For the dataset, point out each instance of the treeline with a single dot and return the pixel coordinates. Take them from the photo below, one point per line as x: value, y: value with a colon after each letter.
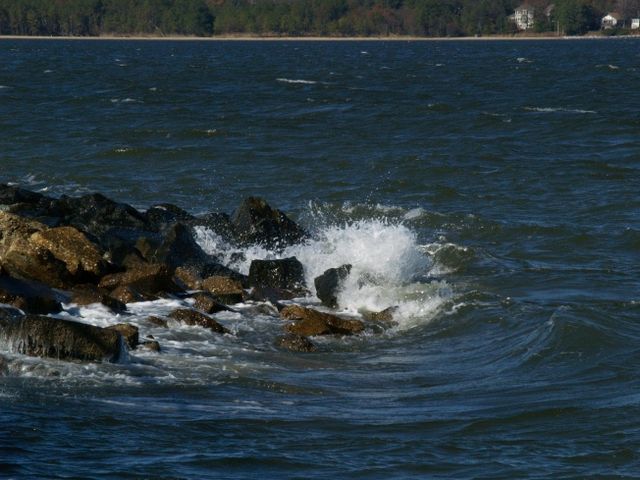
x: 295, y: 17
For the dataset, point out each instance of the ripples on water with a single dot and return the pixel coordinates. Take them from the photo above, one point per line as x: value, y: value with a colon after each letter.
x: 490, y: 188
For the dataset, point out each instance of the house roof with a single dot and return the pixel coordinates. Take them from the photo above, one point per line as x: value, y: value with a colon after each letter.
x: 616, y: 15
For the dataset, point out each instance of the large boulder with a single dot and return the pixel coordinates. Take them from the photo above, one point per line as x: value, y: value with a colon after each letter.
x: 96, y: 214
x: 62, y: 339
x: 309, y: 322
x: 328, y: 284
x: 255, y: 222
x: 193, y: 317
x: 225, y: 289
x: 83, y: 259
x: 147, y: 279
x: 179, y: 249
x: 58, y: 257
x: 28, y: 296
x: 89, y: 294
x: 163, y: 216
x: 285, y: 273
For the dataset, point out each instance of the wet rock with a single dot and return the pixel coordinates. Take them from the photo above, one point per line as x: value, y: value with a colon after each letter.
x: 285, y: 273
x: 192, y: 276
x: 179, y: 249
x: 11, y: 194
x: 207, y: 303
x: 255, y: 222
x: 225, y: 289
x: 88, y: 294
x: 157, y: 321
x: 28, y: 296
x: 295, y: 343
x: 309, y: 322
x: 82, y: 258
x: 146, y: 279
x: 161, y: 217
x: 384, y: 316
x: 151, y: 345
x: 328, y: 284
x: 63, y: 339
x: 273, y: 295
x: 97, y: 214
x: 126, y: 294
x: 219, y: 223
x: 193, y: 317
x: 129, y: 333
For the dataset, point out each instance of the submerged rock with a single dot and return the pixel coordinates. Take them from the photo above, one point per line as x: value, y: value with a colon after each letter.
x: 62, y: 339
x: 28, y: 296
x: 255, y: 222
x: 151, y: 345
x: 328, y: 284
x: 295, y: 343
x: 193, y: 317
x: 309, y: 322
x: 384, y: 316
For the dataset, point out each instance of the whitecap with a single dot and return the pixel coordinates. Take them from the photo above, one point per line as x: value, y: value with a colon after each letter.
x: 296, y: 81
x: 557, y: 109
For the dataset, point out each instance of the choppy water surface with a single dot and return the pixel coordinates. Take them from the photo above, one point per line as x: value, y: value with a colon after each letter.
x: 488, y: 189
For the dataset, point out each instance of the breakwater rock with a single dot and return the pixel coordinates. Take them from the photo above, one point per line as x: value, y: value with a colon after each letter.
x: 60, y: 254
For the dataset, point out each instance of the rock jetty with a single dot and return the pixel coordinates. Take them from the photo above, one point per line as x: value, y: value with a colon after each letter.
x: 91, y: 249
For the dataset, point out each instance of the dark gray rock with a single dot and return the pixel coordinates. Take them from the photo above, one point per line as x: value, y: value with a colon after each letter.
x: 62, y: 339
x: 328, y: 284
x: 255, y: 222
x: 28, y: 296
x: 285, y: 273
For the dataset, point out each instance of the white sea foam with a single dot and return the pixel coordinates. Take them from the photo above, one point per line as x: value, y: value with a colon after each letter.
x: 557, y: 109
x: 296, y: 80
x: 388, y: 265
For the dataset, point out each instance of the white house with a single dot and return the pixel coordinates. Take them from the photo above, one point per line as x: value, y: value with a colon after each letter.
x: 611, y: 20
x: 523, y: 16
x: 635, y: 23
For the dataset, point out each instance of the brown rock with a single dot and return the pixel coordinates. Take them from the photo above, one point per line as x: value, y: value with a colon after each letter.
x: 28, y: 296
x: 295, y: 343
x: 152, y: 345
x: 129, y: 333
x: 157, y: 321
x: 309, y: 322
x: 127, y: 294
x: 147, y: 279
x: 69, y: 245
x: 193, y: 317
x: 225, y: 289
x: 189, y: 277
x: 208, y: 303
x: 384, y: 316
x: 63, y: 339
x: 89, y: 294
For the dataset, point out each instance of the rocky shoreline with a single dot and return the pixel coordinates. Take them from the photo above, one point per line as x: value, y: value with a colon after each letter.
x: 91, y: 249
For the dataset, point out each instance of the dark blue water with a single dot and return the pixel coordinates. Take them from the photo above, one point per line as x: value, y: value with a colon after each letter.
x: 511, y: 168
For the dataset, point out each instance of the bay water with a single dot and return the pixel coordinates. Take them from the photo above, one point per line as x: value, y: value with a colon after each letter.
x: 490, y: 190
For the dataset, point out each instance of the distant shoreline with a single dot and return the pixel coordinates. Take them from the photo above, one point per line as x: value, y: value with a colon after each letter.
x: 254, y: 38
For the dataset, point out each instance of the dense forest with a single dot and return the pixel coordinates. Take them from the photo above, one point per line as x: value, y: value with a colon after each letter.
x: 298, y: 17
